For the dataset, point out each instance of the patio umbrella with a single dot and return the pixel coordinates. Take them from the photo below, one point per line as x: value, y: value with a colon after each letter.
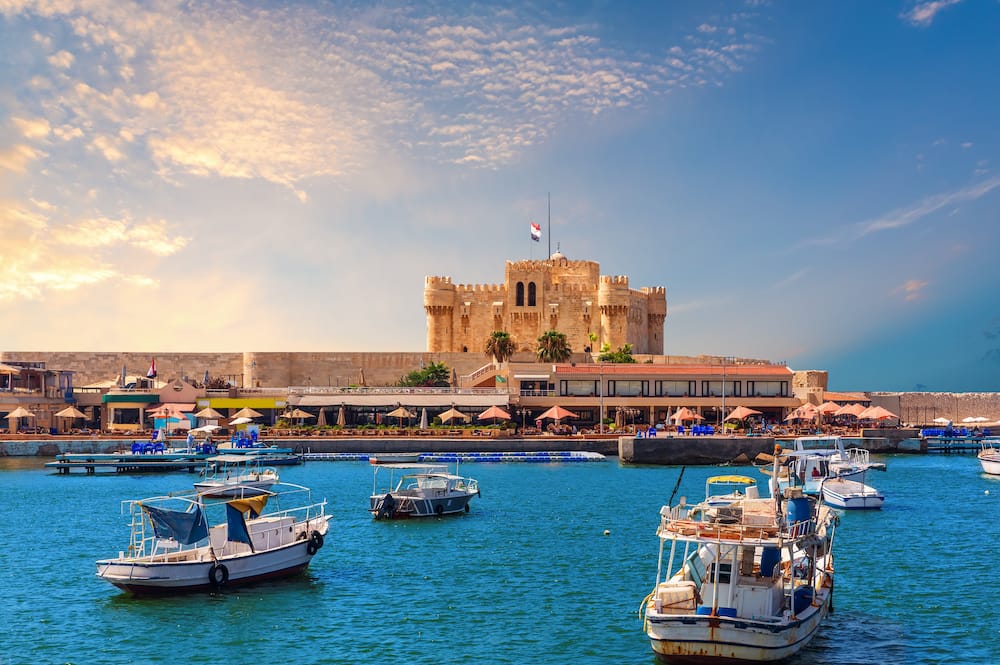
x: 246, y: 412
x: 557, y: 413
x: 685, y: 414
x: 70, y: 412
x: 9, y: 369
x: 741, y: 412
x: 942, y: 421
x: 801, y: 413
x: 423, y: 418
x: 20, y: 412
x: 400, y: 413
x: 321, y: 419
x: 876, y: 413
x: 494, y: 413
x: 849, y: 410
x: 240, y: 421
x: 828, y: 408
x: 341, y: 417
x: 974, y: 419
x: 452, y: 414
x: 209, y: 413
x: 205, y: 429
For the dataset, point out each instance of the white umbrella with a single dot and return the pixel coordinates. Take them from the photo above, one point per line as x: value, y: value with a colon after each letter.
x: 205, y: 429
x: 240, y: 421
x: 943, y: 421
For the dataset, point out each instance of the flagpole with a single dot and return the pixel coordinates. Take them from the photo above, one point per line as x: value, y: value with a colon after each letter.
x: 550, y: 223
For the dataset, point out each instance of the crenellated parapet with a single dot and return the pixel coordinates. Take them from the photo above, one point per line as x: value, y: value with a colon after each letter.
x: 438, y: 292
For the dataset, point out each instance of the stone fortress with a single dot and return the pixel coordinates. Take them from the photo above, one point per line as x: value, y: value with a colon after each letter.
x: 571, y: 297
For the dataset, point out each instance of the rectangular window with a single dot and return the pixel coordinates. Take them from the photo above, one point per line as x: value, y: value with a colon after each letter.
x: 578, y: 388
x: 627, y: 388
x: 768, y: 389
x: 673, y: 388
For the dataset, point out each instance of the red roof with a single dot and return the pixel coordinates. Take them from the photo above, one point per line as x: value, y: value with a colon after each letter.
x: 648, y: 369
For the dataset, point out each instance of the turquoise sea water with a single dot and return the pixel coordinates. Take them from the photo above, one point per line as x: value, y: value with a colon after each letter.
x: 528, y: 576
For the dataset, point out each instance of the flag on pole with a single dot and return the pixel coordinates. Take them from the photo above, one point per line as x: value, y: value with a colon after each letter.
x: 536, y: 232
x: 151, y: 374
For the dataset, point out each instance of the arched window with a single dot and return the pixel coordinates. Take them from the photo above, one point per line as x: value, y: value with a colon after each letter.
x: 520, y: 295
x: 531, y: 294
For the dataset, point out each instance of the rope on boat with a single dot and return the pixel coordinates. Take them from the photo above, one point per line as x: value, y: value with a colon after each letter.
x: 676, y: 487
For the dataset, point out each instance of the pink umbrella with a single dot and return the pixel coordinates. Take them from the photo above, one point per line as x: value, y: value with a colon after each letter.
x: 876, y: 413
x: 828, y: 408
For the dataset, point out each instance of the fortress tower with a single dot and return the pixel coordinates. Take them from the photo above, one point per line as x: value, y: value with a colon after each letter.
x: 554, y: 294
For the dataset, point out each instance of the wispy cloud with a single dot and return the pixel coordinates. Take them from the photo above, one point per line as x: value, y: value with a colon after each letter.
x: 905, y: 216
x: 911, y: 290
x: 923, y: 13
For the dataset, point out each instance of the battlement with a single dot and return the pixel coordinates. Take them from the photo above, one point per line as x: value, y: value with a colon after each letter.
x: 615, y: 280
x: 546, y: 264
x: 431, y: 281
x: 481, y: 288
x: 654, y: 290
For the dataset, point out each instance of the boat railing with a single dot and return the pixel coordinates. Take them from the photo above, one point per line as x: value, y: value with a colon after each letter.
x: 859, y: 456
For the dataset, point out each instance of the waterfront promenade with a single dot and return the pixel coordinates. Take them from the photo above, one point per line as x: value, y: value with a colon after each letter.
x: 661, y: 449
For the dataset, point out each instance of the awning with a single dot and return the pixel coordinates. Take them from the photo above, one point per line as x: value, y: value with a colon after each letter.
x: 118, y: 398
x: 532, y: 377
x: 406, y: 399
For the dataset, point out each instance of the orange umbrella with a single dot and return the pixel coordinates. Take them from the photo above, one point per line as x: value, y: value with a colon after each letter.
x: 684, y: 414
x: 495, y: 413
x: 876, y: 413
x: 828, y: 408
x: 557, y: 413
x: 741, y: 412
x: 849, y: 410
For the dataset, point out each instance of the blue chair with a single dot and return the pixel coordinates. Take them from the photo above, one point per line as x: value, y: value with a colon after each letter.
x: 680, y: 429
x: 158, y: 447
x: 136, y: 448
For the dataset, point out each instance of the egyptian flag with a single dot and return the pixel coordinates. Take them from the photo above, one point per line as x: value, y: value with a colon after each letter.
x: 536, y: 232
x: 151, y: 374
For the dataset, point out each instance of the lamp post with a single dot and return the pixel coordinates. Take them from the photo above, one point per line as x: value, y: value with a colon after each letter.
x: 600, y: 365
x: 523, y: 412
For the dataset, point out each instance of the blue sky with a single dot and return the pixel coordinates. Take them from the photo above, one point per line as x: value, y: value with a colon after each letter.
x: 813, y: 182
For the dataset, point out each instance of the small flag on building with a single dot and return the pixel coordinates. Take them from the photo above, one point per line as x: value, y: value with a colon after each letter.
x: 536, y: 232
x: 151, y: 374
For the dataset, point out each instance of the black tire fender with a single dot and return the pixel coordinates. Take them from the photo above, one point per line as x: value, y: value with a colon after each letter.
x: 218, y: 575
x: 315, y: 542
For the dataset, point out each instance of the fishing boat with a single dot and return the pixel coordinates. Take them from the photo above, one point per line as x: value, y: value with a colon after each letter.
x: 989, y: 457
x: 851, y: 494
x: 419, y: 490
x: 747, y: 582
x: 187, y: 542
x: 822, y: 467
x: 235, y: 475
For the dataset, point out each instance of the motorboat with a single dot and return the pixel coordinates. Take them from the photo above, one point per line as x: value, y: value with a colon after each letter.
x: 851, y: 494
x: 187, y: 542
x: 419, y: 490
x: 822, y: 467
x: 989, y: 457
x: 235, y: 475
x: 747, y: 582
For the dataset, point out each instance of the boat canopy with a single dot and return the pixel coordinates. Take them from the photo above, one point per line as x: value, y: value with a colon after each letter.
x: 740, y: 480
x: 186, y: 527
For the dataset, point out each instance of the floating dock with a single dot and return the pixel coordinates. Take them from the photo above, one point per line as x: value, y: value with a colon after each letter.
x: 544, y: 457
x: 127, y: 462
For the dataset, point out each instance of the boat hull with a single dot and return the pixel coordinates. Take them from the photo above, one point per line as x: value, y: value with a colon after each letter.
x: 160, y: 575
x: 990, y: 464
x: 708, y: 639
x: 848, y: 495
x: 409, y: 507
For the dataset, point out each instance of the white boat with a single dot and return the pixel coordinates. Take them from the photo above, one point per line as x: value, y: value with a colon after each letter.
x: 822, y: 467
x: 185, y: 543
x: 989, y: 457
x: 851, y: 495
x: 752, y: 583
x: 235, y: 475
x: 419, y: 490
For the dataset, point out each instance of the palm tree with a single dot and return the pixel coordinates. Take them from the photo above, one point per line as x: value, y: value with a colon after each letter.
x: 553, y: 347
x: 500, y: 346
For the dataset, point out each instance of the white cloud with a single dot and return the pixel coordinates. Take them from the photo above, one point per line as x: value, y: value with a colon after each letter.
x: 32, y: 128
x: 923, y: 13
x: 61, y: 60
x: 911, y: 289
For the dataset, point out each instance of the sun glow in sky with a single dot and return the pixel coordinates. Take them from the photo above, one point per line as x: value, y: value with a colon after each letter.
x: 812, y: 182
